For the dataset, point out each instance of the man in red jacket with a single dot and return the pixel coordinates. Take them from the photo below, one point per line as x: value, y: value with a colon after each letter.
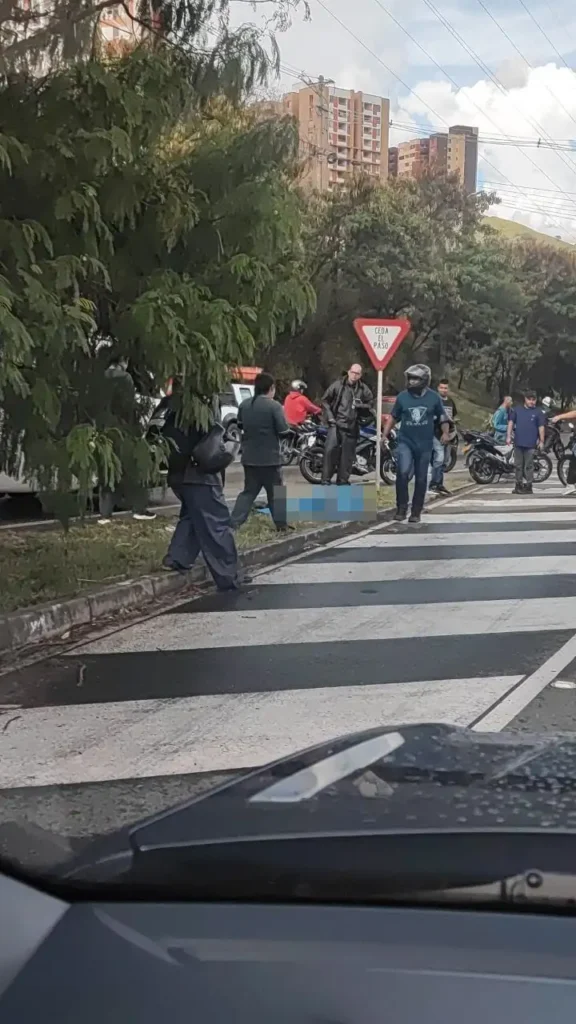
x: 297, y: 408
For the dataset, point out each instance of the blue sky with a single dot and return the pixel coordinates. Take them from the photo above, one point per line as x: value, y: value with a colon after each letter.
x: 536, y: 94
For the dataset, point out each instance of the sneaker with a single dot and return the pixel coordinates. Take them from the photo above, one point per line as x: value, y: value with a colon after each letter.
x: 414, y: 517
x: 569, y: 492
x: 435, y: 488
x: 400, y: 515
x: 103, y: 522
x: 145, y: 516
x: 443, y: 490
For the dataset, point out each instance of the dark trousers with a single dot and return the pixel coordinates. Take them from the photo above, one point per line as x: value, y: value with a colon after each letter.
x: 524, y: 466
x: 256, y: 478
x: 411, y: 461
x: 128, y: 496
x: 339, y: 452
x: 204, y: 526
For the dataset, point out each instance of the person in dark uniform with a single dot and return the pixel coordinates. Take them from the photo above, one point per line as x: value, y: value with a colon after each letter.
x: 204, y: 521
x: 344, y: 401
x: 262, y: 422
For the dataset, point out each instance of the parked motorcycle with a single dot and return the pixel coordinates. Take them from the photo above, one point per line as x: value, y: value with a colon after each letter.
x: 488, y: 461
x: 568, y: 453
x: 312, y: 458
x: 293, y: 444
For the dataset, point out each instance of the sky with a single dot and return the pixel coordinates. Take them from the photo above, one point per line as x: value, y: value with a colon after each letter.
x: 511, y: 77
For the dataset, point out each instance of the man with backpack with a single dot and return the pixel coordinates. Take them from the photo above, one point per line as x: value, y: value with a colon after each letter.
x: 204, y: 522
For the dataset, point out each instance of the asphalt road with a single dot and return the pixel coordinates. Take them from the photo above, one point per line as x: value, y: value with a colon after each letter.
x: 468, y: 618
x: 25, y: 511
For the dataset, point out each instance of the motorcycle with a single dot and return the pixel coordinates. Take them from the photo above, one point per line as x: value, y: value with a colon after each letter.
x: 293, y: 444
x: 311, y: 460
x: 488, y: 461
x: 568, y: 453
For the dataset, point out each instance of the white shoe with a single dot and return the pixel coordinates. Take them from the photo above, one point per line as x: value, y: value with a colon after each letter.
x: 104, y: 522
x: 569, y: 492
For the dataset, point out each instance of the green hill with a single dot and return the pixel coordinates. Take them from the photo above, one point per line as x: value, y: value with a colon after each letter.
x: 512, y: 229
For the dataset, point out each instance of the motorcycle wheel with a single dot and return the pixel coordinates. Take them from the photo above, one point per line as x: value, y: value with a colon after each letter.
x: 388, y: 470
x: 451, y: 459
x: 310, y: 465
x: 542, y: 467
x: 287, y: 452
x: 481, y: 471
x: 562, y: 469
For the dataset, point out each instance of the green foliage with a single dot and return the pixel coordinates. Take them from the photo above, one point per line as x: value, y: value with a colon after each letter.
x: 499, y: 310
x: 139, y: 221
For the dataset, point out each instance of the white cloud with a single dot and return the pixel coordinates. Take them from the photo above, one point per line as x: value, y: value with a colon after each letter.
x: 535, y: 102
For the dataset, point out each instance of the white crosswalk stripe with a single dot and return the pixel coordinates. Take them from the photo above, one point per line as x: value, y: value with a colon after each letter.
x: 345, y: 638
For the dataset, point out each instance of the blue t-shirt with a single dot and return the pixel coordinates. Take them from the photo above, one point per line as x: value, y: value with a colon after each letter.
x: 526, y: 423
x: 417, y: 415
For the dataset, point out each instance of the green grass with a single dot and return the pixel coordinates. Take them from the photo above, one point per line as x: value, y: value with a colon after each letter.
x: 47, y: 565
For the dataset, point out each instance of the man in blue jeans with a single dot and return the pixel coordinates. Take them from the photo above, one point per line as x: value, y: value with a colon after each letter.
x: 417, y: 409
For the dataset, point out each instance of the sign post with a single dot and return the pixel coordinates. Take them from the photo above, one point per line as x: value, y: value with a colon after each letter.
x: 381, y: 339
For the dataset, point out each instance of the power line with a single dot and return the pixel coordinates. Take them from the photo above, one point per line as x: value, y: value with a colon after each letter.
x: 413, y: 91
x: 546, y: 36
x: 484, y: 67
x: 519, y: 51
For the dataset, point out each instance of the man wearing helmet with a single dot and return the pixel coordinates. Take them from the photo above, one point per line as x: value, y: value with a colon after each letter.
x: 297, y: 407
x: 418, y: 410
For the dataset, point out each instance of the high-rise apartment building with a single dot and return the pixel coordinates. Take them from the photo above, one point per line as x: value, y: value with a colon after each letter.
x: 342, y: 133
x: 452, y: 152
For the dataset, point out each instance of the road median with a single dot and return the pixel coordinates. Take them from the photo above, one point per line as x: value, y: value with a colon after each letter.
x: 113, y: 568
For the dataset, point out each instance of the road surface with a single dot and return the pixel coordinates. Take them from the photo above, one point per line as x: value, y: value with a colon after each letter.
x: 469, y: 618
x: 25, y: 512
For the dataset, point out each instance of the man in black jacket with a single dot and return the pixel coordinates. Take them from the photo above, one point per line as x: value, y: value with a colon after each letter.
x: 343, y: 403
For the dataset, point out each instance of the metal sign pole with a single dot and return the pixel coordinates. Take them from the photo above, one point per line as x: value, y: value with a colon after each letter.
x: 378, y: 431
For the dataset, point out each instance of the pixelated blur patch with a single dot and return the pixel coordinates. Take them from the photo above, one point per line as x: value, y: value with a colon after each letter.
x: 332, y: 504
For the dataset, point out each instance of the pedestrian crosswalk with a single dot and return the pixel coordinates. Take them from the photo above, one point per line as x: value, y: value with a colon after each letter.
x: 455, y: 620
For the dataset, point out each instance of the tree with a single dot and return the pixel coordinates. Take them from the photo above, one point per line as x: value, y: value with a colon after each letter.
x: 385, y: 251
x: 139, y: 219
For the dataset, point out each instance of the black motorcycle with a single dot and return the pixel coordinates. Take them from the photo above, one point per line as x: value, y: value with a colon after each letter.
x: 293, y: 444
x: 568, y: 454
x: 312, y: 458
x: 488, y: 461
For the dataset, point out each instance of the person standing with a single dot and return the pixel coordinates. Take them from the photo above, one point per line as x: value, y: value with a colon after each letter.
x: 418, y: 410
x: 123, y: 409
x: 262, y: 422
x: 204, y: 522
x: 343, y: 403
x: 297, y: 406
x: 528, y: 425
x: 564, y: 417
x: 440, y: 450
x: 500, y: 420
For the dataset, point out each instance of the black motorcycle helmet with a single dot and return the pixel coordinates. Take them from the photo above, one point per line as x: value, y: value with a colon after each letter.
x: 418, y: 378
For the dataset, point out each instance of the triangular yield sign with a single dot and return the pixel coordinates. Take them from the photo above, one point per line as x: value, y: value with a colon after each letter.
x: 381, y: 338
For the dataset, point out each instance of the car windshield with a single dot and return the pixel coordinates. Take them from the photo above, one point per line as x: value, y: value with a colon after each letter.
x: 346, y: 609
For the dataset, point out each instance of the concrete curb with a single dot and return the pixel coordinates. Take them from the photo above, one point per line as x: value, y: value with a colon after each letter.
x: 55, y: 620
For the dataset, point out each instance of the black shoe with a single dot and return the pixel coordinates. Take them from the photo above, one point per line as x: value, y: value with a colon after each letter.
x: 400, y: 515
x: 171, y: 566
x: 435, y: 488
x: 528, y: 489
x: 414, y: 517
x: 443, y: 490
x: 518, y: 490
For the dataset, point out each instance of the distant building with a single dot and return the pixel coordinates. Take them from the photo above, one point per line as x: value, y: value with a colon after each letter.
x: 452, y: 152
x: 342, y: 133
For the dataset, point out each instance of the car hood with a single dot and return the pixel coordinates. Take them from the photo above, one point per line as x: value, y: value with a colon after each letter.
x: 401, y: 779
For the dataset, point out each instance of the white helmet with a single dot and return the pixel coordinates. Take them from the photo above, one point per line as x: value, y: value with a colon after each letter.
x: 547, y: 402
x: 298, y: 385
